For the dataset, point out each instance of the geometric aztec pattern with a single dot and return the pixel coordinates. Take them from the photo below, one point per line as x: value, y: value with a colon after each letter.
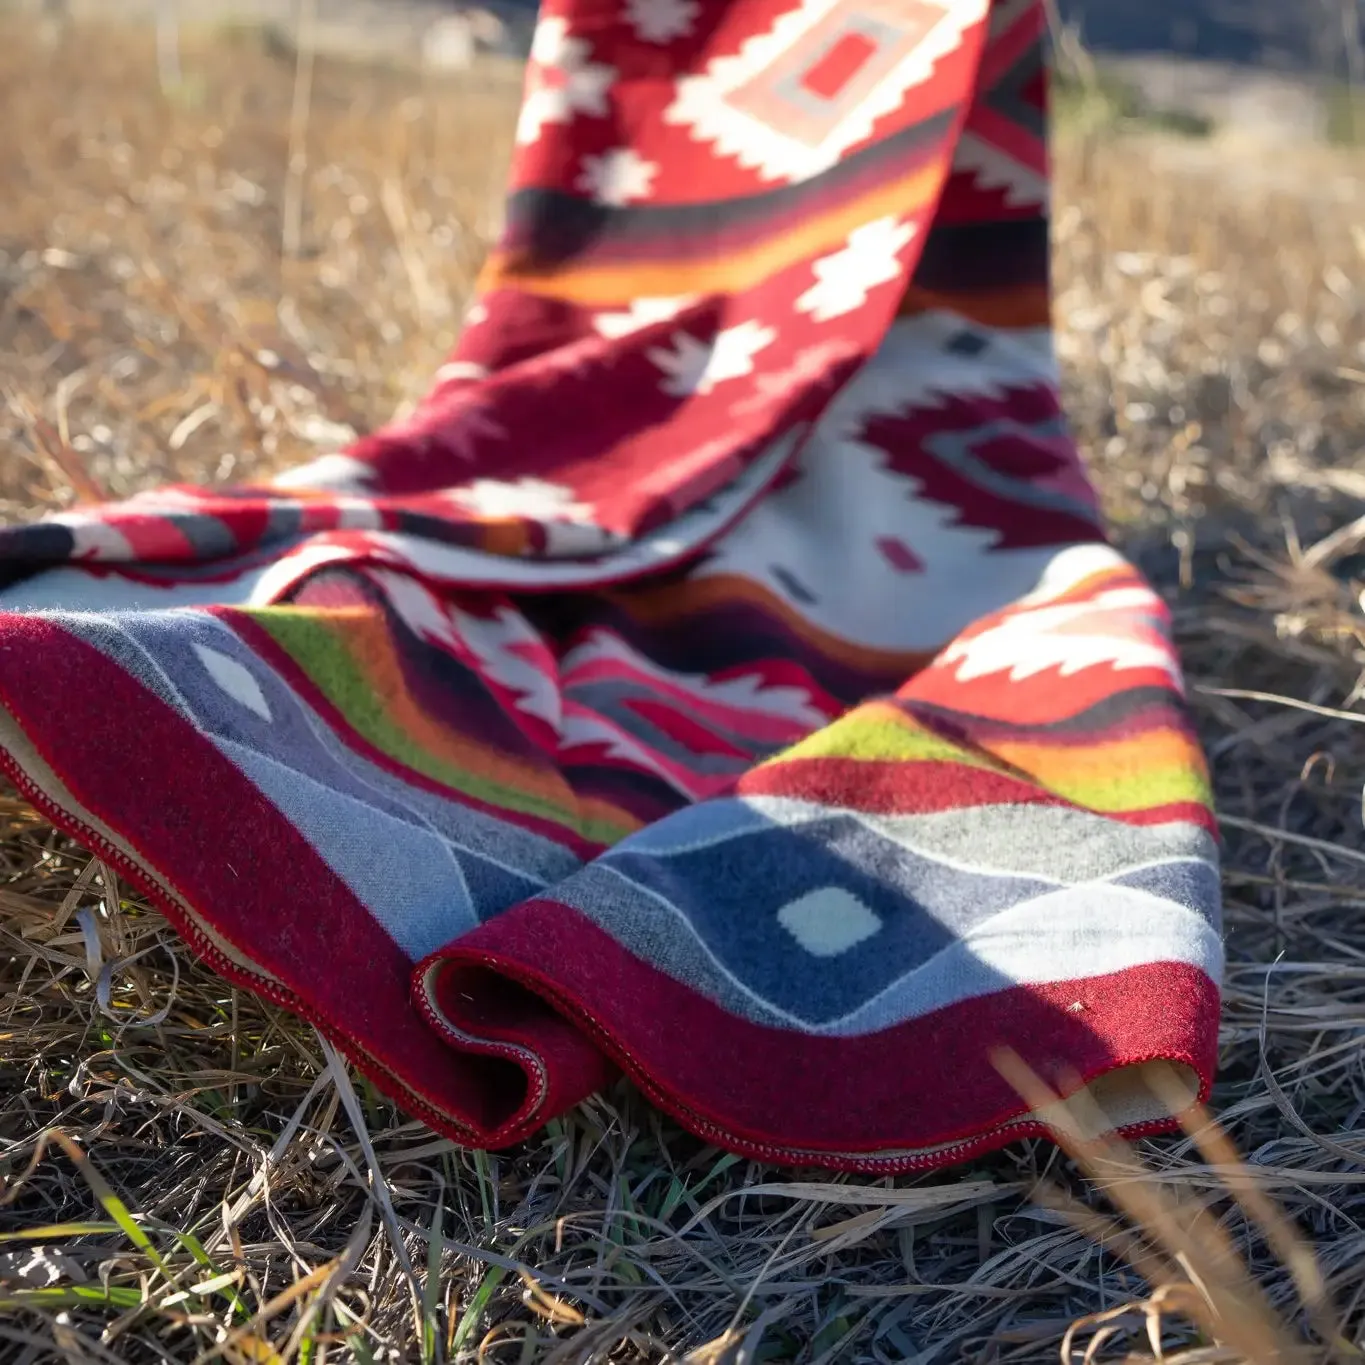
x: 781, y: 730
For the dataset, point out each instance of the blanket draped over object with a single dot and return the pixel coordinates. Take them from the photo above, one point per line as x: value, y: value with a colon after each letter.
x: 722, y: 676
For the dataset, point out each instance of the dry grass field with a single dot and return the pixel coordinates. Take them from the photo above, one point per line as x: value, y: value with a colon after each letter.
x: 209, y: 282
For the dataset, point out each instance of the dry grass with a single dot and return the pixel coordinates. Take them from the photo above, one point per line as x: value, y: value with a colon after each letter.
x: 147, y: 308
x: 237, y: 1196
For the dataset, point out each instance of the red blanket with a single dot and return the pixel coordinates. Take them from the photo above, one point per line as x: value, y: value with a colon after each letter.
x: 722, y: 675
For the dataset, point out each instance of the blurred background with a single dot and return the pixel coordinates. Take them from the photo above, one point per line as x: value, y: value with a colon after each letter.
x: 194, y: 188
x: 191, y: 185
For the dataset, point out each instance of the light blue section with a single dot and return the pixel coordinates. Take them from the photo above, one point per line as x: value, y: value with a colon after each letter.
x: 405, y: 875
x: 428, y: 868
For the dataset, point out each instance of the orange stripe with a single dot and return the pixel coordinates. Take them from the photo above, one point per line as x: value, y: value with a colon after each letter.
x: 1154, y: 751
x: 371, y: 650
x: 665, y: 604
x: 504, y: 537
x: 613, y: 285
x: 1026, y: 305
x: 1092, y: 584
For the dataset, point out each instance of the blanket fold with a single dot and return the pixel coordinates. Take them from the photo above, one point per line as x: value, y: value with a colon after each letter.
x: 721, y: 677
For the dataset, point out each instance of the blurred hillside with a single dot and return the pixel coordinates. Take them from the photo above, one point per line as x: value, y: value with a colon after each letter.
x: 1291, y: 35
x: 1295, y: 35
x: 1274, y: 69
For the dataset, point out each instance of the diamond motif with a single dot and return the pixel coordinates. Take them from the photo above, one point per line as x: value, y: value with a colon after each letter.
x: 849, y: 54
x: 899, y: 555
x: 793, y: 100
x: 234, y: 679
x: 828, y: 921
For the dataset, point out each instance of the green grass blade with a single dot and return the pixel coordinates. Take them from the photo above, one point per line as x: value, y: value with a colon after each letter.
x: 477, y: 1305
x: 72, y: 1296
x: 52, y: 1232
x: 108, y: 1200
x: 431, y: 1290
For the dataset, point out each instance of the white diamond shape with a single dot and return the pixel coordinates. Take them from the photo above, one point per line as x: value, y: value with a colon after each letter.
x: 704, y: 104
x: 828, y: 921
x: 235, y: 680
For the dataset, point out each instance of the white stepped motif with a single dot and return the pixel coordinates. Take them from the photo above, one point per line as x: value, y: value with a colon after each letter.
x: 1122, y: 628
x: 496, y: 646
x: 502, y: 643
x: 994, y: 170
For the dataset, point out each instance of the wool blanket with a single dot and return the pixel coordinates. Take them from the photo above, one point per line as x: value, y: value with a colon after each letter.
x: 722, y: 676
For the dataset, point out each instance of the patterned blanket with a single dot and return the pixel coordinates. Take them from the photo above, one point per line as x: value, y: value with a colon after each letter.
x: 722, y: 676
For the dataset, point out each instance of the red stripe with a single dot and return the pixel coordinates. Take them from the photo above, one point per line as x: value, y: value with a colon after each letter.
x: 887, y: 787
x: 1191, y: 812
x: 675, y: 725
x: 196, y: 819
x: 782, y: 1094
x: 151, y: 536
